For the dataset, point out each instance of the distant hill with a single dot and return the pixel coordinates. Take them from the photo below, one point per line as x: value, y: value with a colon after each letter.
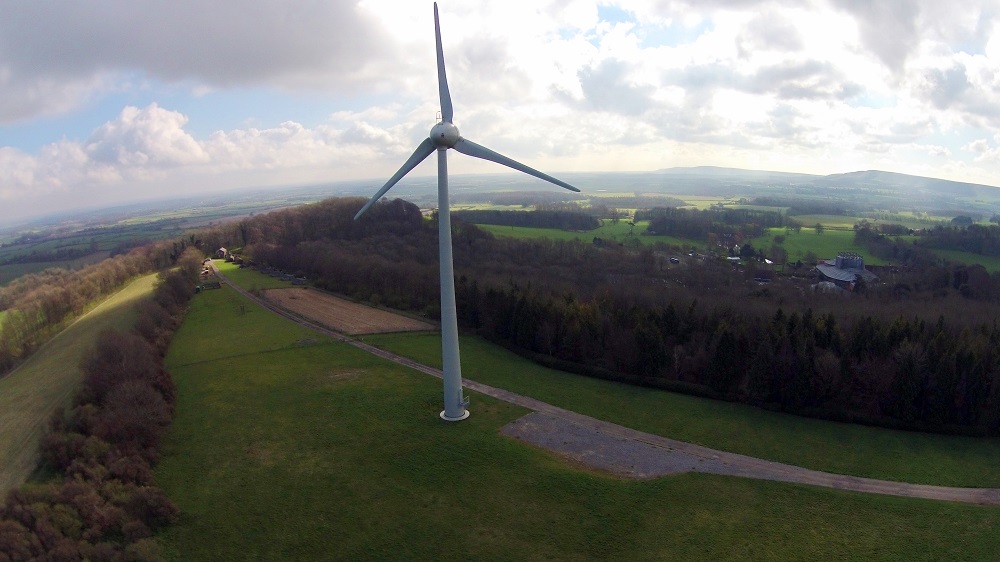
x: 733, y: 173
x: 908, y: 182
x: 854, y: 190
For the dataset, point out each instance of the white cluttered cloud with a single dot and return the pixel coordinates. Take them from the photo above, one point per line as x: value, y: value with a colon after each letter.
x: 120, y: 97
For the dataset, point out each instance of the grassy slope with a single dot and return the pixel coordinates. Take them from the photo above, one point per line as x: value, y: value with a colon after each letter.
x: 822, y: 445
x: 29, y: 395
x: 286, y: 450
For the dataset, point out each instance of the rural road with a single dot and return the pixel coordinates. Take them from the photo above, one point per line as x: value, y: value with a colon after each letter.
x: 636, y: 454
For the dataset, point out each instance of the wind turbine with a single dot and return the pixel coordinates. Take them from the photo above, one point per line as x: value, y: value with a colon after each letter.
x: 443, y: 136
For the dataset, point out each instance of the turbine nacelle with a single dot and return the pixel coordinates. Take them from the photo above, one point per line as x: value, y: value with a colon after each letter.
x: 445, y: 135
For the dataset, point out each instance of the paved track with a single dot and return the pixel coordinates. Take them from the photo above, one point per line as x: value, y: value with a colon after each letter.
x: 636, y: 454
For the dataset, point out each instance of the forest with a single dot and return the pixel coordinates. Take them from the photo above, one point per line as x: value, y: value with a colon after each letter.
x: 922, y: 358
x: 699, y: 225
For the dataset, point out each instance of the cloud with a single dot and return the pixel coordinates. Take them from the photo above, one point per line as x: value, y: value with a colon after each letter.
x: 148, y: 146
x: 788, y: 80
x: 54, y: 51
x: 151, y: 137
x: 888, y: 29
x: 606, y: 87
x: 769, y: 32
x: 984, y: 150
x: 946, y: 86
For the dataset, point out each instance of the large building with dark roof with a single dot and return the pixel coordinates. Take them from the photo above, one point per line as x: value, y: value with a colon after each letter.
x: 846, y: 270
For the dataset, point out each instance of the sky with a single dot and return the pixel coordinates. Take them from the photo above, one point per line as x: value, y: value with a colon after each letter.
x: 108, y: 102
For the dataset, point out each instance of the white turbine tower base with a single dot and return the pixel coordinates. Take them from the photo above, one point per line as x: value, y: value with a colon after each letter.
x: 443, y: 136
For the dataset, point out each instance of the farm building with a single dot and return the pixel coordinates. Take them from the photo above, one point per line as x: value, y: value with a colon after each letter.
x: 221, y: 253
x: 845, y: 271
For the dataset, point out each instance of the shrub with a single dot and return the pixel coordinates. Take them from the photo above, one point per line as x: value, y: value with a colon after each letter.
x: 133, y: 418
x: 120, y: 357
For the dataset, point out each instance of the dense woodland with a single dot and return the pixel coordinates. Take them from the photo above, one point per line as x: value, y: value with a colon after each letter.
x: 974, y: 238
x: 701, y: 225
x: 102, y: 502
x: 924, y: 358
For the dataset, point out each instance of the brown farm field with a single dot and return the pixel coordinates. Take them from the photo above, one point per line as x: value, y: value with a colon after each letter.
x: 342, y: 315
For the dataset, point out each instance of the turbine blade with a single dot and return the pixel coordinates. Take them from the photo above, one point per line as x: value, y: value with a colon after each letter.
x: 447, y: 112
x: 465, y: 146
x: 423, y: 151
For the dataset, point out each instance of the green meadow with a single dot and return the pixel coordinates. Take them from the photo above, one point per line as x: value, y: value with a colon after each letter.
x: 30, y: 393
x: 822, y: 445
x: 826, y: 245
x: 250, y: 279
x: 289, y: 446
x: 991, y: 263
x: 608, y: 231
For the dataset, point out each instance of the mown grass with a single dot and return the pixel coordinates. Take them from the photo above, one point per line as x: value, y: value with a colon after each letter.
x: 825, y: 245
x: 821, y: 445
x: 322, y: 452
x: 991, y: 263
x: 30, y: 394
x: 250, y: 279
x: 830, y: 242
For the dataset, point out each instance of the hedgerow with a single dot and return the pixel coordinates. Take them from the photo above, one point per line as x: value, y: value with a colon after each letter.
x: 104, y: 504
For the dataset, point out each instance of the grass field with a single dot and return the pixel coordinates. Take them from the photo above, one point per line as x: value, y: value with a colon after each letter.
x: 250, y: 279
x: 825, y: 245
x: 991, y: 263
x: 30, y: 394
x: 284, y: 449
x: 822, y: 445
x: 611, y: 232
x: 829, y: 221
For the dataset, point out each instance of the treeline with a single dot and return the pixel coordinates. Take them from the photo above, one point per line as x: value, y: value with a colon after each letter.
x: 61, y: 254
x: 881, y: 244
x: 105, y: 504
x: 905, y: 373
x: 971, y: 281
x: 36, y: 305
x: 696, y: 224
x: 565, y: 220
x: 974, y: 238
x: 927, y: 361
x: 805, y: 207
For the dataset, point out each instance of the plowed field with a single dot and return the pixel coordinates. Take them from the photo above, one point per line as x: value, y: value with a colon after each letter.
x: 342, y: 315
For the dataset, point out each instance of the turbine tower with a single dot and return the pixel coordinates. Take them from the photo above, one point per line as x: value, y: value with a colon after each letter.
x: 443, y: 136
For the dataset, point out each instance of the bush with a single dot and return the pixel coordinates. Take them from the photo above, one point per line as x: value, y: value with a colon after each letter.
x: 119, y: 357
x: 133, y: 418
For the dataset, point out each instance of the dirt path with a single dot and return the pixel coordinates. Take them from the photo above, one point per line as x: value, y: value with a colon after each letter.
x: 635, y: 454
